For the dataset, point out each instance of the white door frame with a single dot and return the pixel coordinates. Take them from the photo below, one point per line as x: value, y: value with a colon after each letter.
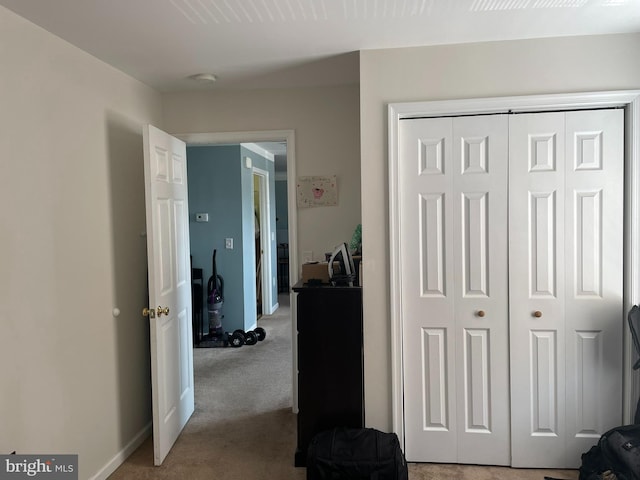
x: 265, y: 240
x: 630, y: 100
x: 226, y: 138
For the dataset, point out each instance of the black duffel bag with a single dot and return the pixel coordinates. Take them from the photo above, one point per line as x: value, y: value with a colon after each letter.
x: 616, y: 456
x: 356, y: 454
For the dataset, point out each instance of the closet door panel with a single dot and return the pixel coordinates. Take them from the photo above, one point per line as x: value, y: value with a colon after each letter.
x: 568, y: 239
x: 481, y: 288
x: 536, y: 266
x: 594, y: 248
x: 453, y: 241
x: 426, y: 198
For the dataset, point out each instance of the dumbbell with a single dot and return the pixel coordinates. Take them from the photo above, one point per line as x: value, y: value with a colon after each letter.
x: 254, y: 336
x: 261, y: 333
x: 237, y: 338
x: 251, y: 338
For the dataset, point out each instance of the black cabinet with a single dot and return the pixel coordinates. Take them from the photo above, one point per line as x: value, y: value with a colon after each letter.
x: 330, y: 362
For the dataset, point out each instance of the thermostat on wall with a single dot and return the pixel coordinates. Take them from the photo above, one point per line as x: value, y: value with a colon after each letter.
x: 202, y: 217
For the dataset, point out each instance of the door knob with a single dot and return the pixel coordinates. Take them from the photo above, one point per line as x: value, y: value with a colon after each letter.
x: 161, y: 310
x: 537, y: 314
x: 148, y: 312
x: 480, y: 313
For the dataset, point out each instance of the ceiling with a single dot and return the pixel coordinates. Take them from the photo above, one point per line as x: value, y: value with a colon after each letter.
x: 251, y: 44
x: 295, y: 43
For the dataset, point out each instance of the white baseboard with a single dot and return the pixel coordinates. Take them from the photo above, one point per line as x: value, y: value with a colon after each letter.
x: 273, y: 309
x: 119, y: 458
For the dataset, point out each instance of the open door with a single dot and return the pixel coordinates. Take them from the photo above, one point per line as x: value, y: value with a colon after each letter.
x: 169, y: 312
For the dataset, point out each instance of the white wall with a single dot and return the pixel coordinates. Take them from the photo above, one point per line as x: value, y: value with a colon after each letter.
x: 326, y: 127
x: 74, y: 378
x: 570, y: 64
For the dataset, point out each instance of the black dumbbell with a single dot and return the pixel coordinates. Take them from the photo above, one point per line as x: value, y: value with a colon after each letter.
x: 237, y: 338
x: 261, y: 333
x: 251, y: 338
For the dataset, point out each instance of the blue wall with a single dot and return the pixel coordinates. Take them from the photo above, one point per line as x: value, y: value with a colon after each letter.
x: 282, y: 212
x: 220, y: 185
x: 215, y: 187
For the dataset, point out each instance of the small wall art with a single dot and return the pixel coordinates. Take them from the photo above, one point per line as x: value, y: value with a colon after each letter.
x: 318, y: 191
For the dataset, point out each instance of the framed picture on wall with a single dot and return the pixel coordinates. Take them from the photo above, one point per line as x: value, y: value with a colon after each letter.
x: 317, y: 191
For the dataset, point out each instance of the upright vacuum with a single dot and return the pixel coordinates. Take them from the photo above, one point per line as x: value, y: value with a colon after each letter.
x: 217, y: 337
x: 215, y: 299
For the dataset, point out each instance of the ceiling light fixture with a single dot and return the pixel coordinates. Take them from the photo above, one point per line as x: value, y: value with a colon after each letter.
x: 204, y: 78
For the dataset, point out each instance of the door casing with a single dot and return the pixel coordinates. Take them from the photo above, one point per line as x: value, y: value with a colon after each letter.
x: 628, y: 99
x: 265, y: 241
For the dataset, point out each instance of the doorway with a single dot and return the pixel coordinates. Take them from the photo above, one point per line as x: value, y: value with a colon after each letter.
x: 286, y: 138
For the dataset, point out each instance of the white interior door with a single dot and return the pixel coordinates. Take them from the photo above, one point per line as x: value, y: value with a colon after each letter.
x: 566, y: 283
x: 453, y: 234
x: 165, y: 171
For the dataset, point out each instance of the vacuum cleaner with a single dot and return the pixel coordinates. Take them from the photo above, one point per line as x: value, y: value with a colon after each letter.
x: 217, y: 337
x: 215, y: 299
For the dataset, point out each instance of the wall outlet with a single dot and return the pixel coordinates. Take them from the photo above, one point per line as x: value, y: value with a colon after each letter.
x: 228, y: 243
x: 307, y: 256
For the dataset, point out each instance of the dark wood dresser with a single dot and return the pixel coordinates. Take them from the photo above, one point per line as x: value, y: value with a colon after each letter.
x: 330, y: 361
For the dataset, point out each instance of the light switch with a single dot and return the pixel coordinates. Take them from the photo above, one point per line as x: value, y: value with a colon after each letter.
x: 202, y: 217
x: 228, y: 243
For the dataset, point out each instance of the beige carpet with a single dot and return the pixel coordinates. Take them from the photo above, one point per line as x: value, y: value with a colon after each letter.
x: 243, y: 427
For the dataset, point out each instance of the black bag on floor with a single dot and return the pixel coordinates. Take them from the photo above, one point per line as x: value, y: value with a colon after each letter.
x: 615, y: 457
x: 356, y: 454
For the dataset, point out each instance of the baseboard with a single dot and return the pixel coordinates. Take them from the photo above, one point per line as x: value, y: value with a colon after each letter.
x: 252, y: 327
x: 119, y: 458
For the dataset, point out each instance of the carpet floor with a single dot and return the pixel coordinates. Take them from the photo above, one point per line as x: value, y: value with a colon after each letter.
x: 243, y: 427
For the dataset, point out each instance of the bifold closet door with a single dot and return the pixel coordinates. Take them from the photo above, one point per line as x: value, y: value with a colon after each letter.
x: 566, y: 283
x: 453, y: 222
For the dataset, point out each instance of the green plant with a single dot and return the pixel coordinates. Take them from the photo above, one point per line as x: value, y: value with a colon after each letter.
x: 356, y: 240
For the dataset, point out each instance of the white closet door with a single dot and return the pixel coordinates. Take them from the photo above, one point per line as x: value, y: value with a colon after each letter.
x: 427, y: 289
x: 565, y: 267
x: 453, y: 174
x: 594, y: 261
